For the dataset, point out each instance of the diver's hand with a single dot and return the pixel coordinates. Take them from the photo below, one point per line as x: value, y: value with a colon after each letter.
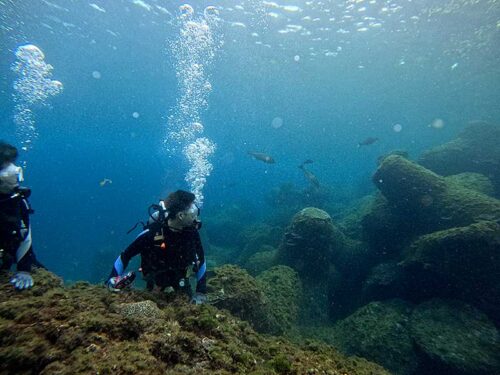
x: 118, y: 283
x: 22, y: 280
x: 198, y: 299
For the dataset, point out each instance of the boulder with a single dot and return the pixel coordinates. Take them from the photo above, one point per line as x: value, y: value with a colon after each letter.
x: 460, y: 262
x: 380, y: 332
x: 427, y: 200
x: 476, y: 149
x: 455, y: 338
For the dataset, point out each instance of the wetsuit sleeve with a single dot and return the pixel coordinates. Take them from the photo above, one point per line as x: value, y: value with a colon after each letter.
x: 27, y: 261
x: 201, y: 274
x: 131, y: 251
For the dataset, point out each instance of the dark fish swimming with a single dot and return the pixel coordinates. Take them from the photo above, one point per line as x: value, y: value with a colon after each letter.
x: 262, y: 157
x: 313, y: 180
x: 368, y: 141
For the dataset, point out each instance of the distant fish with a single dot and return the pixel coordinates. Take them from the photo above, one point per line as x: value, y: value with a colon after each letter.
x: 313, y: 180
x: 105, y: 182
x: 368, y: 141
x: 97, y: 7
x: 307, y: 161
x: 262, y: 157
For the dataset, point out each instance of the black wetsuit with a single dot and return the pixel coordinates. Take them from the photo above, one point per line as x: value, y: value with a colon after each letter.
x: 166, y: 256
x: 14, y: 225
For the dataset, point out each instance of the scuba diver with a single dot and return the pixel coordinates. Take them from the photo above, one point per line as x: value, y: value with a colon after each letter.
x: 170, y: 248
x: 15, y: 229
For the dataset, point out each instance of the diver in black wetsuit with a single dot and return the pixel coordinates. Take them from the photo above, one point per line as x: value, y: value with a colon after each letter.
x: 170, y: 246
x: 15, y: 230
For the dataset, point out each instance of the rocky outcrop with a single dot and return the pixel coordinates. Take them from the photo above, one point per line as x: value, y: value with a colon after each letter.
x: 455, y: 338
x: 476, y: 149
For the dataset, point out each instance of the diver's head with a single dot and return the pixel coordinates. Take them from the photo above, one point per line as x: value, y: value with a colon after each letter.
x: 182, y: 211
x: 8, y: 154
x: 10, y: 174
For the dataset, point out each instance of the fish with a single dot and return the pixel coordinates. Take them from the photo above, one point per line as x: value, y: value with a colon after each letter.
x: 307, y: 161
x: 105, y: 182
x: 368, y: 141
x: 313, y: 180
x: 262, y: 157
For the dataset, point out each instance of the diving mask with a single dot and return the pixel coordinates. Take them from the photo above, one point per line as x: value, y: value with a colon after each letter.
x: 10, y: 177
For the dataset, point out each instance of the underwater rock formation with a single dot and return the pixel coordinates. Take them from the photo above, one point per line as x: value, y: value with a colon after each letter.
x: 309, y: 244
x: 283, y: 289
x: 238, y: 292
x: 476, y: 149
x: 455, y: 338
x: 254, y: 237
x: 52, y: 329
x: 473, y: 181
x: 261, y: 260
x: 380, y: 331
x: 460, y: 263
x: 427, y: 200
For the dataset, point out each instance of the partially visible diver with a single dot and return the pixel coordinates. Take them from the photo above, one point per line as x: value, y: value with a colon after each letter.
x: 171, y: 251
x: 15, y: 229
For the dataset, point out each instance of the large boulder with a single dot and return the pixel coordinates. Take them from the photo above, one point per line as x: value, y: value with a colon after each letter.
x: 233, y: 289
x: 283, y: 288
x: 309, y: 244
x: 476, y: 149
x: 455, y: 338
x: 473, y: 181
x: 380, y: 332
x: 427, y: 200
x: 460, y: 262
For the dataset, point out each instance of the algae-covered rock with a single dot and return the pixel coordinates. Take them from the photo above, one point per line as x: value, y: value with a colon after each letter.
x: 427, y: 200
x: 380, y: 332
x: 283, y: 288
x: 76, y: 330
x: 261, y: 260
x: 473, y: 181
x: 386, y: 280
x: 309, y: 243
x: 476, y: 149
x: 456, y: 338
x: 235, y: 290
x: 460, y: 262
x: 254, y: 237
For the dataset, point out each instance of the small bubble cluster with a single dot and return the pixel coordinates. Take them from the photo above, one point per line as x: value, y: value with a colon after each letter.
x: 198, y: 153
x: 32, y: 87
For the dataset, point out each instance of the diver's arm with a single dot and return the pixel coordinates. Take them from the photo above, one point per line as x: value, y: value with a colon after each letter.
x: 131, y: 251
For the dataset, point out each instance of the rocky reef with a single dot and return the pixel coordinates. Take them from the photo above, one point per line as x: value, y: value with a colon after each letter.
x: 85, y: 329
x: 476, y: 149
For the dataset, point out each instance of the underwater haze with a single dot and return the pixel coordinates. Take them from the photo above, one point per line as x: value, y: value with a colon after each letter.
x: 345, y: 155
x: 293, y: 79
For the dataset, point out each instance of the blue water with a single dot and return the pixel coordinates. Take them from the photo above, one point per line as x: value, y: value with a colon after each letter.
x: 414, y: 68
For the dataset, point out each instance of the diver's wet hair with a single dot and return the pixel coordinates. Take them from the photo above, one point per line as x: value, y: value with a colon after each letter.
x: 178, y: 201
x: 8, y: 153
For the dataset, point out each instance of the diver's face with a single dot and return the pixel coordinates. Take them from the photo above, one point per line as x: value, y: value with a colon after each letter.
x: 189, y: 216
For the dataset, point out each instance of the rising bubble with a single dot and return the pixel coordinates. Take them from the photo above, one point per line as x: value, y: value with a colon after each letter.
x: 397, y: 128
x: 277, y: 122
x: 32, y: 87
x: 96, y: 74
x: 135, y: 114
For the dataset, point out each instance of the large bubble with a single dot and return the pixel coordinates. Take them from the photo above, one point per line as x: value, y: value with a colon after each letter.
x: 194, y: 50
x: 32, y: 87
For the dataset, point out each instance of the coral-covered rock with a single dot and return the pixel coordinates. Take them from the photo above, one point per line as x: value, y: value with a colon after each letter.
x: 283, y: 288
x: 460, y: 262
x: 380, y: 331
x: 309, y: 244
x: 254, y: 237
x: 235, y: 290
x: 60, y: 330
x: 261, y: 260
x: 473, y: 181
x: 455, y: 338
x: 476, y: 149
x: 427, y: 200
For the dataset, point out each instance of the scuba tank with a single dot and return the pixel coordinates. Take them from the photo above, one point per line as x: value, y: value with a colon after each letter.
x: 157, y: 213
